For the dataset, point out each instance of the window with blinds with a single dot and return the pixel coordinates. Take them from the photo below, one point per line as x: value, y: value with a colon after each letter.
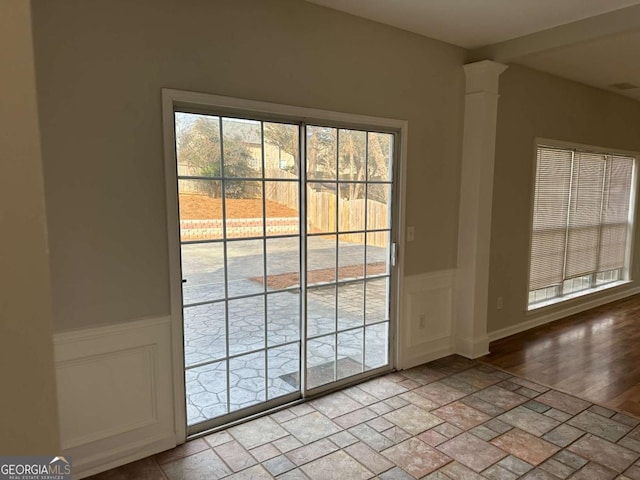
x: 581, y: 222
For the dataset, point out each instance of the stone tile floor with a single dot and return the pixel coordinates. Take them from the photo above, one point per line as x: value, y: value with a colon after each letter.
x: 452, y: 419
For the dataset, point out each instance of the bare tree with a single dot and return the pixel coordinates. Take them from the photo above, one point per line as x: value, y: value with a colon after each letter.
x: 198, y: 149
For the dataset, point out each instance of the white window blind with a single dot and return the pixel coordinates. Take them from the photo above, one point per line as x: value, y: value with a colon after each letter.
x: 580, y: 217
x: 615, y: 213
x: 585, y: 201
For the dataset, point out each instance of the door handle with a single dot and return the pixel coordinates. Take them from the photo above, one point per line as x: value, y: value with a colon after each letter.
x: 394, y: 254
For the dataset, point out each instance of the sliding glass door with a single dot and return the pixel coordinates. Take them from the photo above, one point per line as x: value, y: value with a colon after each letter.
x: 348, y: 219
x: 285, y: 239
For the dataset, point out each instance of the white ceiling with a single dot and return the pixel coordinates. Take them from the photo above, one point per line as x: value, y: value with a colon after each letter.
x: 475, y: 23
x: 593, y: 62
x: 596, y: 42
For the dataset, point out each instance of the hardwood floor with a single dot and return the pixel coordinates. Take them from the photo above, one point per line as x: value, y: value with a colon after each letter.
x: 594, y: 355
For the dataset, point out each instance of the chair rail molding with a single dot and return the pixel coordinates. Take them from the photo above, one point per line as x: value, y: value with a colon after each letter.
x: 476, y: 197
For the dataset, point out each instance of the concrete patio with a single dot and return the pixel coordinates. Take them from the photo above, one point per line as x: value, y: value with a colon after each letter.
x: 252, y: 377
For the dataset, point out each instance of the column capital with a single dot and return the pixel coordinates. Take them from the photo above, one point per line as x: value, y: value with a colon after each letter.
x: 483, y: 76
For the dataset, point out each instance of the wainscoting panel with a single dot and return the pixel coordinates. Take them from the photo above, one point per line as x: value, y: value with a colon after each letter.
x: 115, y: 393
x: 426, y: 326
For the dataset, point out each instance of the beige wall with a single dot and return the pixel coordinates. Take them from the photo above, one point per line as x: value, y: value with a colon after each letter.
x: 100, y: 67
x: 534, y: 104
x: 28, y: 407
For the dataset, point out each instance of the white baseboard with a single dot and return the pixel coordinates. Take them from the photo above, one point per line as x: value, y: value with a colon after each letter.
x: 472, y: 348
x: 115, y: 393
x: 551, y: 316
x: 431, y: 351
x: 426, y: 323
x: 95, y: 461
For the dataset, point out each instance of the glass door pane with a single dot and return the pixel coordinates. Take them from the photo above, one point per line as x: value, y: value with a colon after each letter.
x: 238, y: 191
x: 348, y: 218
x: 242, y: 200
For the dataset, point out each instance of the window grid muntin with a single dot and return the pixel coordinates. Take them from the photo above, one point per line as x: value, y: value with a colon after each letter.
x: 225, y: 240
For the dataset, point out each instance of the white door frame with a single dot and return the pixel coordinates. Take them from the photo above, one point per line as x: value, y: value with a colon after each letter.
x: 177, y: 98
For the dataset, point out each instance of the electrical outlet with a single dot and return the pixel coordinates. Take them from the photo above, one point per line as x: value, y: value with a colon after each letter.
x: 423, y: 320
x: 499, y: 303
x: 411, y: 234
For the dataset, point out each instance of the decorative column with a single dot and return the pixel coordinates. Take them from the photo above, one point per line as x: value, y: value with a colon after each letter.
x: 476, y: 196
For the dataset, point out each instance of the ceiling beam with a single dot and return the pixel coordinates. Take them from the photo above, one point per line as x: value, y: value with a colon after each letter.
x: 592, y: 28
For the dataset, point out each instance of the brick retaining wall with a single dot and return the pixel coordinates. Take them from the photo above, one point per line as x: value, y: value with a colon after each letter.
x: 236, y: 227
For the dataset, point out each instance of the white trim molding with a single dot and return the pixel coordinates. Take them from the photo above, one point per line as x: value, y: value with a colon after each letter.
x: 172, y: 99
x: 426, y: 326
x: 472, y: 347
x: 115, y: 393
x: 476, y: 197
x: 551, y: 314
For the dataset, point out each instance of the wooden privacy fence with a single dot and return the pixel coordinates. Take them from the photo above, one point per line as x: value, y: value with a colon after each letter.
x: 325, y: 211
